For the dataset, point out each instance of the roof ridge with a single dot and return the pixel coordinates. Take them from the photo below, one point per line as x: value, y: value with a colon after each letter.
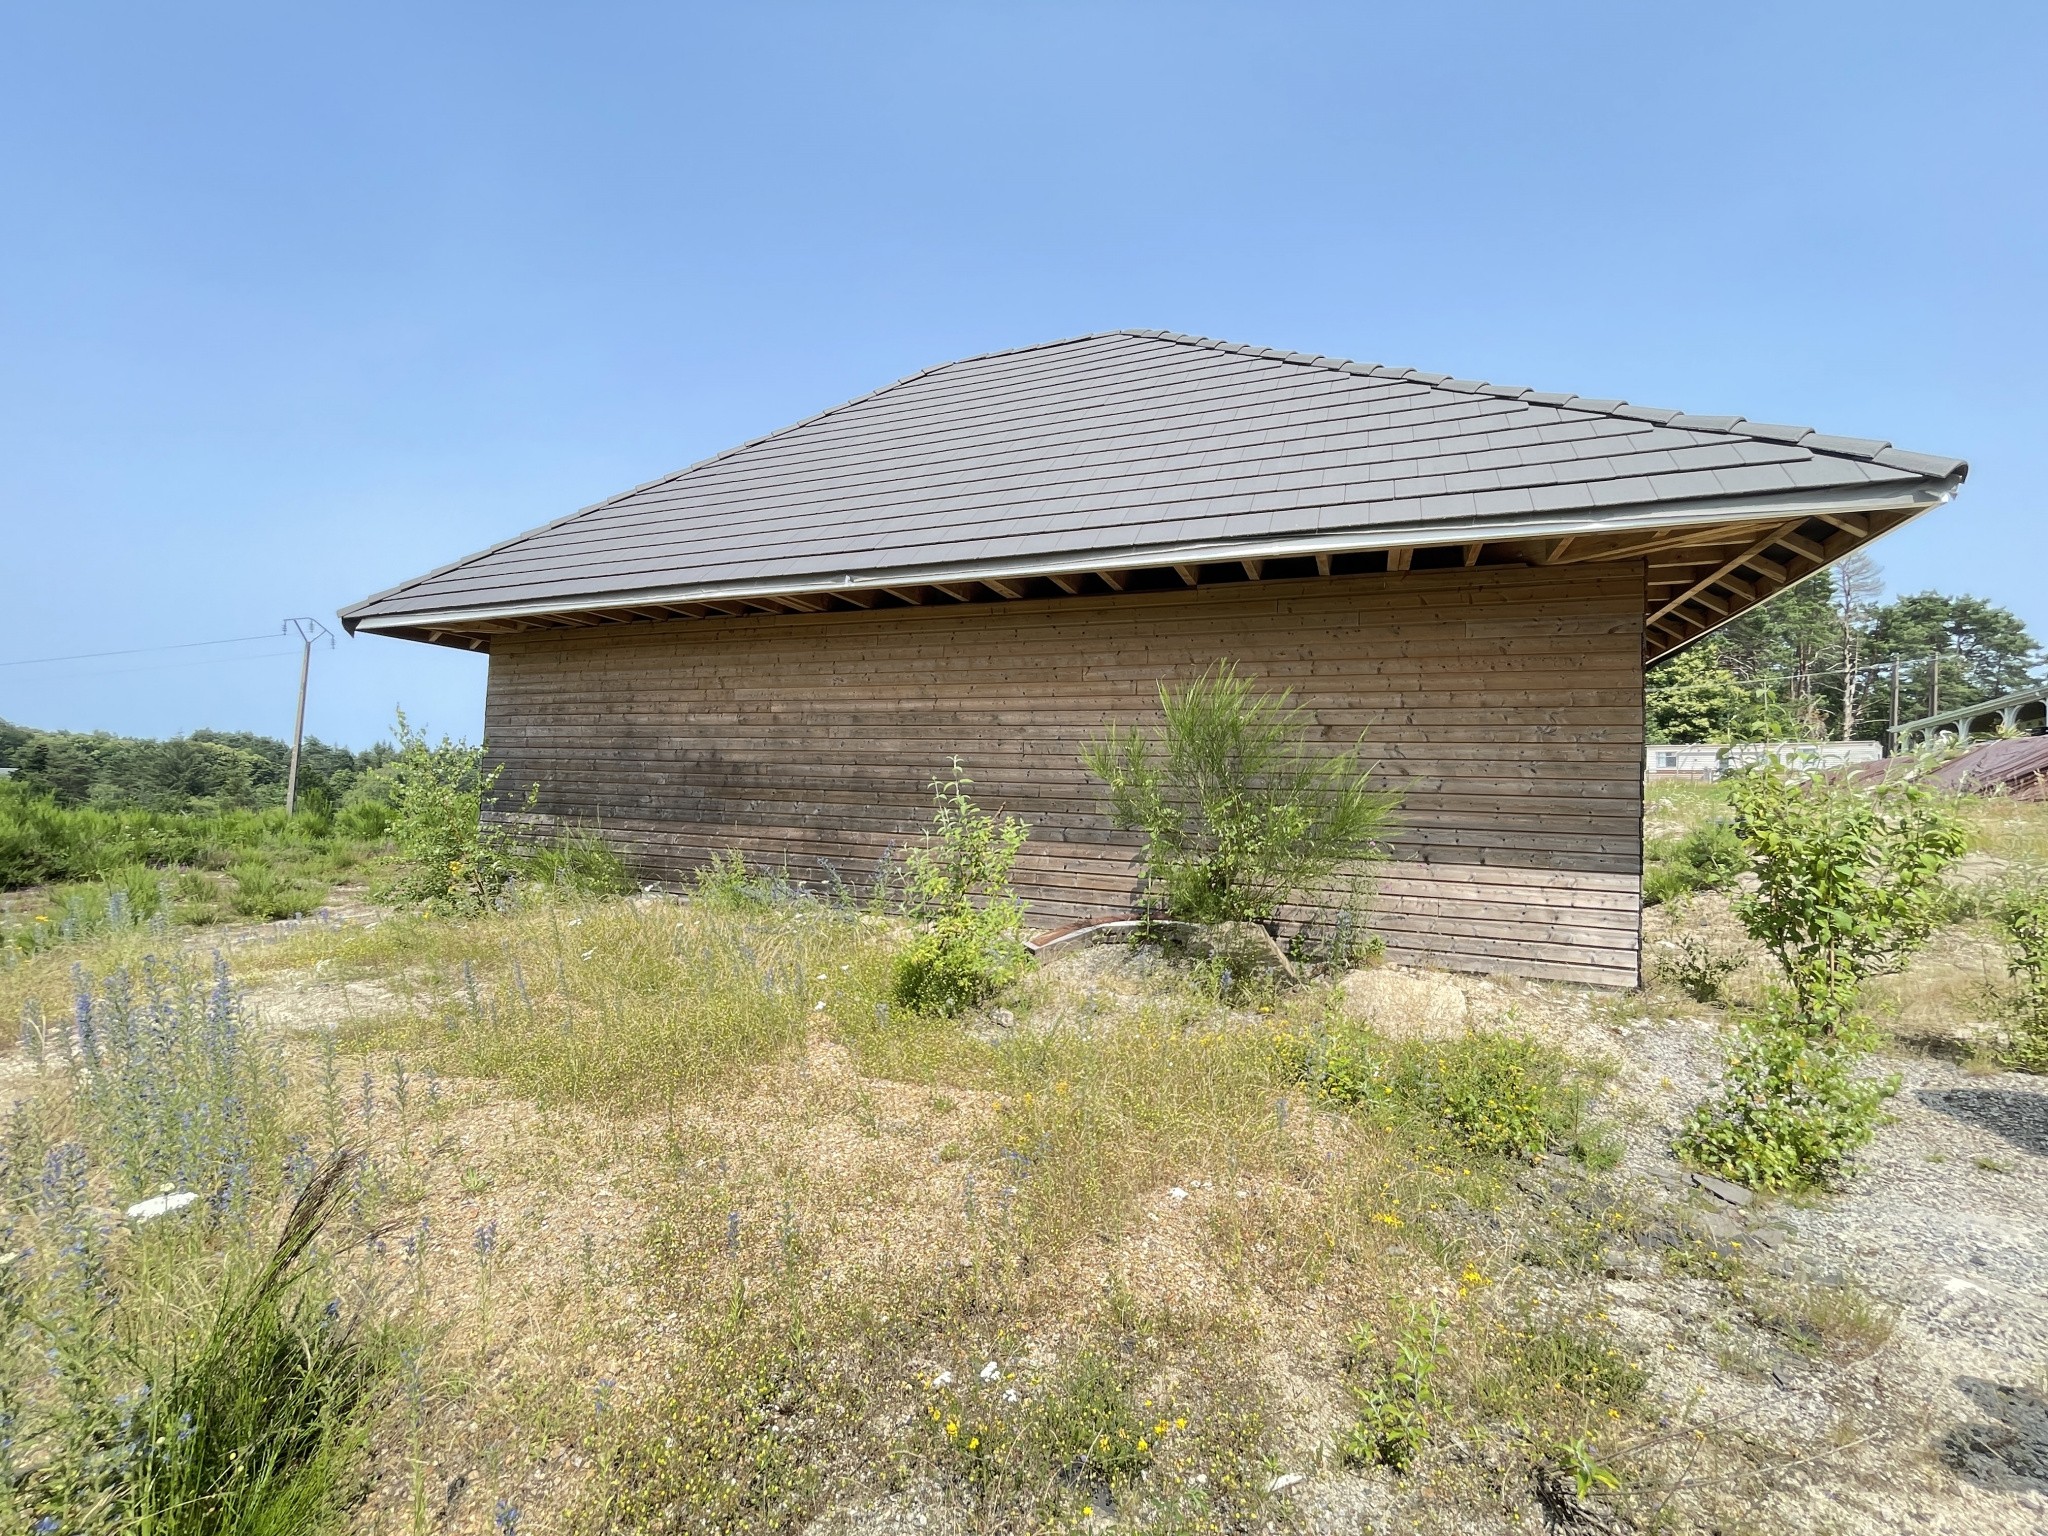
x: 1864, y: 449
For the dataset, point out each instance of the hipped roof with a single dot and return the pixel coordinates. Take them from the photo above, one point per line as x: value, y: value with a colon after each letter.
x: 1148, y: 450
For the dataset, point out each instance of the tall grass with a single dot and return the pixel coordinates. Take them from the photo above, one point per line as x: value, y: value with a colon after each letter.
x: 175, y: 1372
x: 622, y: 1004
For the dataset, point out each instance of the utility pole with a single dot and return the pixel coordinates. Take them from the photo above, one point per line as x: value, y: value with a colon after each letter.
x: 1892, y: 741
x: 1934, y: 682
x: 308, y: 630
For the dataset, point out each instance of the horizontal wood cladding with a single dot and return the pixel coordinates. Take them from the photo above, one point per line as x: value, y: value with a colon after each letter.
x: 1505, y: 704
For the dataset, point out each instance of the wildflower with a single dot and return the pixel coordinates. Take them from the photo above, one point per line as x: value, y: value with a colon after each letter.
x: 507, y: 1517
x: 487, y: 1239
x: 953, y: 1428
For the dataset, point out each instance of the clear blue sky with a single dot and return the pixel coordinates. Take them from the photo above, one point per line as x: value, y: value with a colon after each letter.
x: 294, y: 306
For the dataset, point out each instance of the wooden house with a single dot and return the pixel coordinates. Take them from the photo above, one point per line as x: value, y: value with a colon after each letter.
x: 776, y: 649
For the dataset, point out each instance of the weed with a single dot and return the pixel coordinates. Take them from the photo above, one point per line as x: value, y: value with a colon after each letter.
x: 957, y: 884
x: 1698, y: 968
x: 1495, y: 1093
x: 1708, y: 858
x: 2023, y: 915
x: 1397, y: 1397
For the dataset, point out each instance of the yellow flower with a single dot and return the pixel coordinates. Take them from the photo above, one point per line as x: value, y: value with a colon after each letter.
x: 974, y: 1442
x: 1088, y: 1510
x: 1180, y: 1423
x: 953, y: 1427
x: 1142, y: 1444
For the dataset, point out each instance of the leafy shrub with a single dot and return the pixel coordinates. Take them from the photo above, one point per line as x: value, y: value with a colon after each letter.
x: 450, y: 858
x: 1708, y: 858
x: 1397, y: 1398
x: 1788, y: 1111
x: 957, y: 885
x: 1494, y: 1093
x: 1242, y: 811
x: 1849, y: 884
x: 1849, y: 879
x: 2024, y: 916
x: 364, y: 821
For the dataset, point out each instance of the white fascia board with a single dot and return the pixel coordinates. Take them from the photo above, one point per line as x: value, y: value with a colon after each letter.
x: 1639, y: 518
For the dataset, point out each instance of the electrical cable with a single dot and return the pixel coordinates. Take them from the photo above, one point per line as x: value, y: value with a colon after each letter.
x: 142, y: 650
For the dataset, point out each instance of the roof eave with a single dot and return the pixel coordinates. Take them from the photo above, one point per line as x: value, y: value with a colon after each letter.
x: 1909, y: 497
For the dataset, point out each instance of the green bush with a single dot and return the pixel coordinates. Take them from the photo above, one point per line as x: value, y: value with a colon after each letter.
x: 957, y: 886
x: 2023, y: 914
x: 1849, y: 879
x: 261, y: 891
x: 1849, y: 885
x: 363, y: 821
x: 1494, y: 1093
x: 1788, y: 1110
x: 726, y: 884
x: 450, y: 859
x: 1243, y: 811
x: 1708, y: 858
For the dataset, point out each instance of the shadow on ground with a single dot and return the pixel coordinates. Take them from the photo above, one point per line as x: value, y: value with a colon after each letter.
x: 2020, y: 1117
x: 2009, y: 1451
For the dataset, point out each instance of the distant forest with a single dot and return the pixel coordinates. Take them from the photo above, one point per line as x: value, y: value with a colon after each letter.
x: 1816, y: 661
x: 207, y: 770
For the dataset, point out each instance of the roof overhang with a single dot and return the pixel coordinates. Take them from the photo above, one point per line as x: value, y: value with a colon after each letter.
x: 1714, y: 559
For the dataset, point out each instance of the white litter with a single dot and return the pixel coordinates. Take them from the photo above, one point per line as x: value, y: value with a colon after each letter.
x: 990, y: 1373
x: 161, y: 1205
x: 943, y: 1379
x: 1179, y: 1193
x: 1285, y: 1481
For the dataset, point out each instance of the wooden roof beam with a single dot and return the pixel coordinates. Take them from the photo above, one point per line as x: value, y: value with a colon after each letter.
x: 959, y: 591
x: 1323, y: 564
x: 858, y: 599
x: 1252, y: 568
x: 1071, y: 585
x: 1010, y: 589
x: 1399, y: 559
x: 1116, y: 581
x: 1699, y: 587
x: 1190, y: 574
x: 1472, y: 554
x: 911, y: 595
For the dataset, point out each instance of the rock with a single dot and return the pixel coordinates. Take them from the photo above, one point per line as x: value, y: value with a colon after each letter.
x: 1721, y: 1189
x: 1770, y: 1237
x: 160, y: 1205
x: 1415, y: 1007
x: 1002, y: 1018
x: 1284, y: 1481
x: 1720, y: 1228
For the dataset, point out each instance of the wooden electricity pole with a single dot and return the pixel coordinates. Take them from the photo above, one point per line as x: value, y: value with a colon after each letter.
x: 1892, y: 741
x: 308, y: 630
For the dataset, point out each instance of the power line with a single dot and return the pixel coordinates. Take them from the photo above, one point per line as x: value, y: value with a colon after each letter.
x: 141, y: 650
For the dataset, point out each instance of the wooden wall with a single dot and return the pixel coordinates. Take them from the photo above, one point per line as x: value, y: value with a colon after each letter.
x: 1506, y: 704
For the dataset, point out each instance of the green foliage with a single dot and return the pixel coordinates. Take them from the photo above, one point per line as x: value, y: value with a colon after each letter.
x: 1849, y: 879
x: 1243, y: 812
x: 262, y: 892
x: 451, y: 859
x: 957, y: 886
x: 204, y: 772
x: 579, y: 863
x: 2023, y: 915
x: 726, y: 884
x: 1788, y: 1111
x: 1398, y: 1400
x: 1697, y: 697
x: 1697, y: 968
x: 1708, y: 858
x: 1494, y: 1093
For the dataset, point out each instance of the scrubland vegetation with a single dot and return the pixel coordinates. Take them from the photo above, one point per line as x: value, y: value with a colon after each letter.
x: 533, y: 1202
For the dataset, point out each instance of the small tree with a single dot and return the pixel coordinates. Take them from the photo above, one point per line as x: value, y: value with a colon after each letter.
x: 1848, y: 885
x: 2023, y: 914
x: 1242, y: 811
x: 956, y: 884
x: 1849, y: 879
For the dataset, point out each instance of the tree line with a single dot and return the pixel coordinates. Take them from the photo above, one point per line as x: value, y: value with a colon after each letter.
x: 1817, y: 662
x: 204, y: 771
